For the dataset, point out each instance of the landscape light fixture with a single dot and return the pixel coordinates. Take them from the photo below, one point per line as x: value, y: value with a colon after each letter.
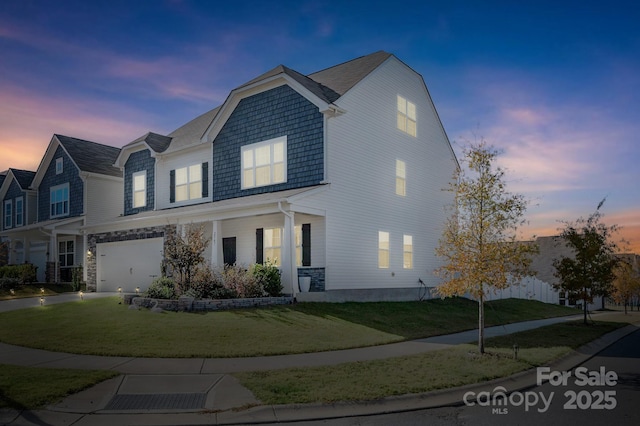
x: 137, y: 290
x: 42, y: 301
x: 42, y: 290
x: 81, y: 295
x: 516, y: 348
x: 12, y: 292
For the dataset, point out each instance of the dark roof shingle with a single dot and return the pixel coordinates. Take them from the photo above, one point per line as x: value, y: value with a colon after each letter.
x: 90, y: 156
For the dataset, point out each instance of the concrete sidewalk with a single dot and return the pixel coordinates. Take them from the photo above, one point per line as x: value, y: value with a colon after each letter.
x: 202, y: 391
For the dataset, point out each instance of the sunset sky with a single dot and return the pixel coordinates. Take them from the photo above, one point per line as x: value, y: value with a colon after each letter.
x: 555, y: 85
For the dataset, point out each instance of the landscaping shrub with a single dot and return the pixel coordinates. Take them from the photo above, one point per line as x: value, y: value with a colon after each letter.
x: 237, y: 279
x: 268, y: 277
x: 162, y: 288
x: 208, y: 283
x: 24, y: 273
x: 9, y: 282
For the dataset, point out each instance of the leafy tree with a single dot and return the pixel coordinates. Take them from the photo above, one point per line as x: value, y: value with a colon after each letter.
x: 478, y: 243
x: 183, y: 251
x: 626, y: 283
x: 590, y: 272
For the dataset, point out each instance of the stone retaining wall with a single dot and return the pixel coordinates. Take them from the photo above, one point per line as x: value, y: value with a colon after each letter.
x: 189, y: 304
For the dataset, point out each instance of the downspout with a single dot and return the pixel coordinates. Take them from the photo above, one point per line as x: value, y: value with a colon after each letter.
x: 291, y: 243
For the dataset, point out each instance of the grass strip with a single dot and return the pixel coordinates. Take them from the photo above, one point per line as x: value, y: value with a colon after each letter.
x: 446, y: 368
x: 105, y: 327
x: 34, y: 290
x: 28, y: 388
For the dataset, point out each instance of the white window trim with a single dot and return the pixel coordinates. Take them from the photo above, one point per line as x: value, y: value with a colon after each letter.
x: 7, y: 216
x: 21, y: 217
x: 59, y: 165
x: 253, y: 147
x: 134, y: 191
x: 405, y: 252
x: 406, y: 115
x: 298, y: 236
x: 384, y: 253
x: 51, y: 192
x: 188, y: 183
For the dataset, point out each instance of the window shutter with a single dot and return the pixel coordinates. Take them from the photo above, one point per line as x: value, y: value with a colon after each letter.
x: 205, y: 180
x: 260, y: 245
x: 306, y: 244
x: 172, y: 186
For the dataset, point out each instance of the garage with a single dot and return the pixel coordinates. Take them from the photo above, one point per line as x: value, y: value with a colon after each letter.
x: 128, y: 264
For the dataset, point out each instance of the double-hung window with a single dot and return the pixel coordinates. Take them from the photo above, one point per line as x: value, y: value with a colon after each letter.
x: 8, y: 214
x: 407, y: 252
x: 59, y: 200
x: 273, y: 245
x: 139, y: 189
x: 189, y: 183
x: 383, y: 249
x: 264, y: 163
x: 19, y: 211
x: 407, y: 116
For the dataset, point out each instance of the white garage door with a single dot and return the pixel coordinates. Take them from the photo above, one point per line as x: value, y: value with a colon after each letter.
x: 128, y: 264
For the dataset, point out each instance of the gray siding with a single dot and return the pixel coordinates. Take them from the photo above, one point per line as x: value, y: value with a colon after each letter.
x: 69, y: 175
x: 276, y: 112
x: 137, y: 162
x: 14, y: 192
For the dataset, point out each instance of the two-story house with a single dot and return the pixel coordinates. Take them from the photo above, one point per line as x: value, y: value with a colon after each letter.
x: 336, y: 176
x: 75, y: 185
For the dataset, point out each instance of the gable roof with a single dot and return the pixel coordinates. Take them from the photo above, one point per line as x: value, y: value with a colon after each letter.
x: 158, y: 143
x: 23, y: 177
x: 90, y: 156
x: 193, y: 130
x: 340, y: 78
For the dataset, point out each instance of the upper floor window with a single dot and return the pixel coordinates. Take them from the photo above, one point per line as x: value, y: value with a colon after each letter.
x: 139, y: 189
x: 59, y: 200
x: 59, y: 166
x: 8, y: 214
x: 407, y: 252
x: 189, y: 183
x: 401, y: 178
x: 19, y: 211
x: 406, y: 116
x: 383, y: 249
x: 264, y: 163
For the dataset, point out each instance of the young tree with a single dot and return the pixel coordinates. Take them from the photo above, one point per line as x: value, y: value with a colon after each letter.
x: 626, y: 284
x: 478, y: 243
x: 184, y: 251
x: 590, y: 272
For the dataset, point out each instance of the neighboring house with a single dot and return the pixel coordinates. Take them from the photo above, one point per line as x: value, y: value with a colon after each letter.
x: 541, y: 286
x: 19, y: 204
x: 75, y: 185
x: 336, y: 176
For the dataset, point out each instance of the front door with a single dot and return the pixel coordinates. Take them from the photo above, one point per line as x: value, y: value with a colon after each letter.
x: 229, y: 250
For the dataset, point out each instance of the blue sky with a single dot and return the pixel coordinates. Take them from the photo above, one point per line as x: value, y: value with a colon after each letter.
x: 555, y: 85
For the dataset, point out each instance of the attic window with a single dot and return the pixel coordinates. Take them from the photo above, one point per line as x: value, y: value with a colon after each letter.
x: 59, y: 166
x: 406, y: 116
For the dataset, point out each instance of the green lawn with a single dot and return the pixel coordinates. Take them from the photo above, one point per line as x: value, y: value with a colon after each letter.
x: 30, y: 388
x: 456, y: 366
x: 105, y: 327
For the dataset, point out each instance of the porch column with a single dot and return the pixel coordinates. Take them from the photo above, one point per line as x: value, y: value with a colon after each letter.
x: 85, y: 255
x: 216, y: 243
x: 53, y: 255
x: 289, y: 268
